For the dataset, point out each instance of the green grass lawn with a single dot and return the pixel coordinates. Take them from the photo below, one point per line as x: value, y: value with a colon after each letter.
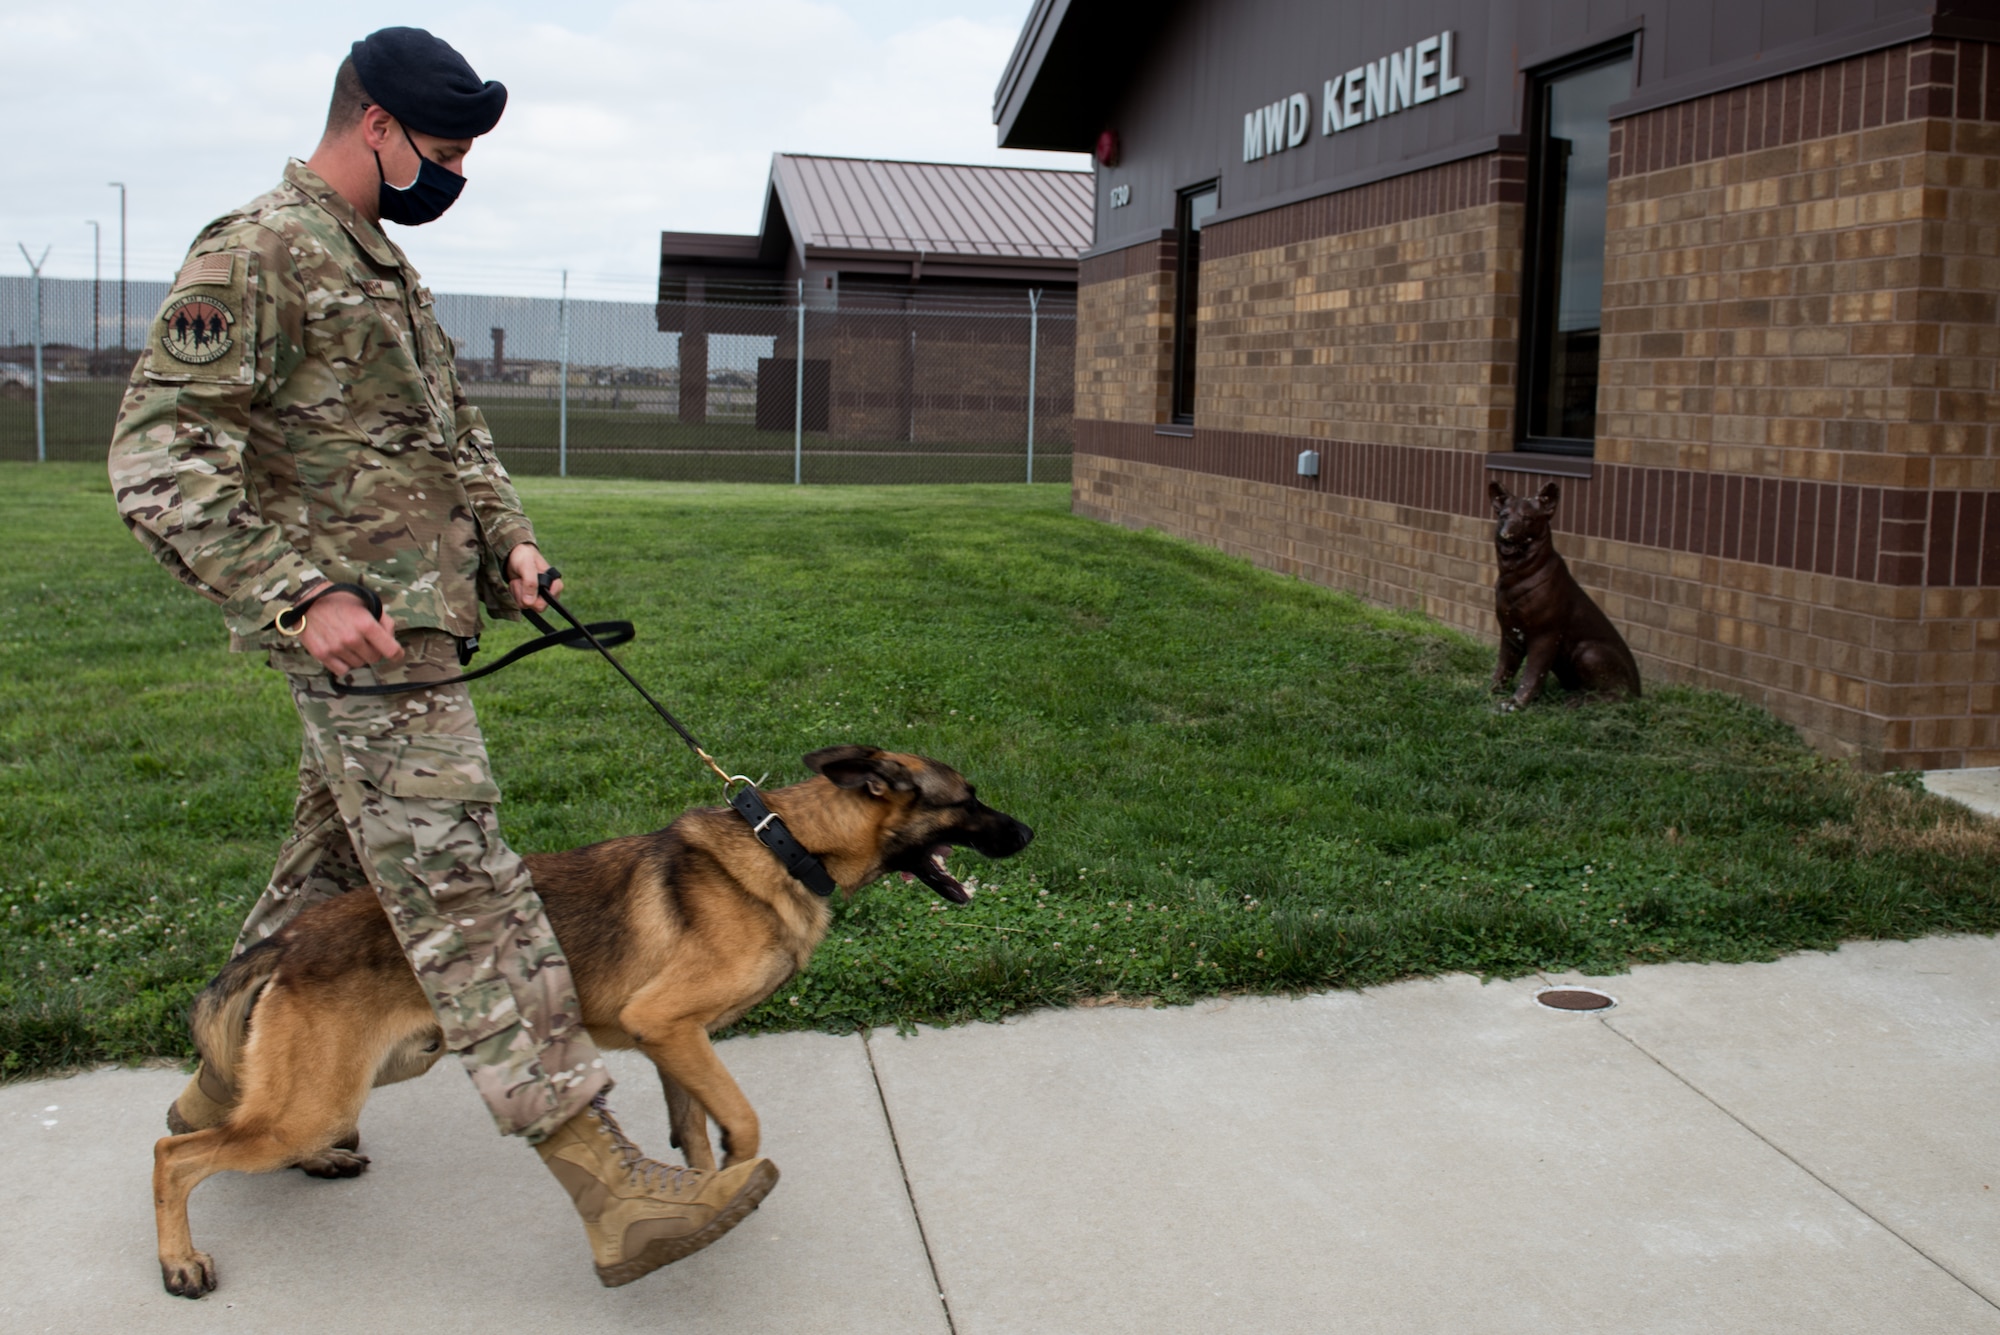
x: 1239, y: 781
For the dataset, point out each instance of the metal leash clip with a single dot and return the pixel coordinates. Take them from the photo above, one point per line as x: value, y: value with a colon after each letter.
x: 767, y: 825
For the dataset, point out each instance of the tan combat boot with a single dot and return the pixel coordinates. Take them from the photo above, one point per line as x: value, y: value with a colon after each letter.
x: 641, y: 1213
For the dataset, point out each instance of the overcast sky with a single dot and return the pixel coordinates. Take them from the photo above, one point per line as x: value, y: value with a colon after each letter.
x: 623, y: 119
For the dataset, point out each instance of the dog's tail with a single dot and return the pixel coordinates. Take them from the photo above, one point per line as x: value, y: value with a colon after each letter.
x: 220, y: 1017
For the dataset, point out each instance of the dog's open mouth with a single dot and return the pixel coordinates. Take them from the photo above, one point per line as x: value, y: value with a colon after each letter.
x: 927, y: 865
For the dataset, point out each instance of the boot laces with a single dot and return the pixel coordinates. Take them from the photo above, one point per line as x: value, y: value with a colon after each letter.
x: 643, y: 1170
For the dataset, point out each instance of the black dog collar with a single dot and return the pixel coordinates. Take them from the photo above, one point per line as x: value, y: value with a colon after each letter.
x: 771, y: 832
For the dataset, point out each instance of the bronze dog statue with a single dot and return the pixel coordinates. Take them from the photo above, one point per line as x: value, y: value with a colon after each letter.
x: 1547, y: 622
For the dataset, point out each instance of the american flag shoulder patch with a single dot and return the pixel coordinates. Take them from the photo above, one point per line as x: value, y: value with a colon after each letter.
x: 215, y: 270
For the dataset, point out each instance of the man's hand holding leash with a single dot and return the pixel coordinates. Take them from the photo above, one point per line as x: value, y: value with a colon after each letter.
x: 524, y: 568
x: 344, y: 633
x: 341, y: 631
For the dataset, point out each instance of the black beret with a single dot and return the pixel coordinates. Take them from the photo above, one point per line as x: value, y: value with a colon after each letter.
x: 426, y: 85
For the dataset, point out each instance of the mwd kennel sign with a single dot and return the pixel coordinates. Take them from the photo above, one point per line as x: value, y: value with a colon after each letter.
x: 1420, y: 73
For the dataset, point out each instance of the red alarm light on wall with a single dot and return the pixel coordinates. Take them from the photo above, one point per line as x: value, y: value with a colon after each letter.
x: 1107, y: 148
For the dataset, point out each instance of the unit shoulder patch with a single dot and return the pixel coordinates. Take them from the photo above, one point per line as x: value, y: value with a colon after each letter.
x: 195, y: 329
x: 206, y: 330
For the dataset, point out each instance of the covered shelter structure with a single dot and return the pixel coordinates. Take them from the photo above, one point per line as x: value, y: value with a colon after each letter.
x: 910, y: 282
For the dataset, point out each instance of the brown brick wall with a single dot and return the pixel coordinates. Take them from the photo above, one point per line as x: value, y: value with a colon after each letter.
x: 1797, y: 491
x: 1878, y: 535
x: 958, y: 379
x: 1932, y: 79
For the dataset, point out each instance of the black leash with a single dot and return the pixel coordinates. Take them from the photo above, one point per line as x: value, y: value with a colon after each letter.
x: 579, y: 637
x: 748, y: 803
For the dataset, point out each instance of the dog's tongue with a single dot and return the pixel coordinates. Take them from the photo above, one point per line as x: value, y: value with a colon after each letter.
x: 941, y: 879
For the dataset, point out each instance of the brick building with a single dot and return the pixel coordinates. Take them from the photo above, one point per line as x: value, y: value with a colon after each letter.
x: 916, y: 278
x: 1729, y: 274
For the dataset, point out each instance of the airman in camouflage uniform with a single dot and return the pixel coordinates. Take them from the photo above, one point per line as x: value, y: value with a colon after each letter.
x: 296, y: 419
x: 322, y: 434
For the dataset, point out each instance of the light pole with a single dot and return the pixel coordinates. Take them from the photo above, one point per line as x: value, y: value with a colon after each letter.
x: 41, y: 394
x: 562, y: 373
x: 1034, y: 315
x: 96, y: 283
x: 799, y: 396
x: 120, y: 187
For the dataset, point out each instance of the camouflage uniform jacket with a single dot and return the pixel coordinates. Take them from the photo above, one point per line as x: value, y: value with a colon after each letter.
x: 296, y: 415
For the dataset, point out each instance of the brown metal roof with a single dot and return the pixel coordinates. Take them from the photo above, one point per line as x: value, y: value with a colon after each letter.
x: 934, y: 208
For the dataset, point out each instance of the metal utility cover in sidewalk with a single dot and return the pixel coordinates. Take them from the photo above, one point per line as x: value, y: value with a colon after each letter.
x: 1435, y: 1156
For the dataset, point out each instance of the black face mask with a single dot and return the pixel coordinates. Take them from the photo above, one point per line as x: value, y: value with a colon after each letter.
x: 422, y: 200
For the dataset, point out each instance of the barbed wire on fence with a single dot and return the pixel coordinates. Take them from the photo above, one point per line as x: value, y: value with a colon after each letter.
x: 896, y: 384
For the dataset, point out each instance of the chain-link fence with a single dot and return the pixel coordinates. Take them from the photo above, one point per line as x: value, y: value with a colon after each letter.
x: 83, y: 366
x: 896, y: 384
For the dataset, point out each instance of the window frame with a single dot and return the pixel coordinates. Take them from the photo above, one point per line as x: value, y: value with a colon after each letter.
x: 1187, y: 282
x: 1541, y: 262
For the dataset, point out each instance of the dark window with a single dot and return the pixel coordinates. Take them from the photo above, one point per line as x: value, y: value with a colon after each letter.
x: 1569, y: 197
x: 1194, y: 208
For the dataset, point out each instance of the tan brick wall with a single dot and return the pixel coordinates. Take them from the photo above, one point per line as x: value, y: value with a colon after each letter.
x: 1818, y: 310
x: 1850, y: 664
x: 1401, y: 334
x: 1396, y: 555
x: 1124, y: 328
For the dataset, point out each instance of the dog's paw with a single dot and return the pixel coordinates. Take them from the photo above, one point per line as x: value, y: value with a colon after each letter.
x: 334, y: 1163
x: 1507, y: 706
x: 190, y: 1276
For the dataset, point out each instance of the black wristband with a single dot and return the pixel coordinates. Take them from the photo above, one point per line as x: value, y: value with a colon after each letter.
x: 298, y: 610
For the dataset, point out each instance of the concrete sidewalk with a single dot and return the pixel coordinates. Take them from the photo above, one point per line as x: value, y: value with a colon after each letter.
x: 1978, y: 789
x: 1801, y: 1146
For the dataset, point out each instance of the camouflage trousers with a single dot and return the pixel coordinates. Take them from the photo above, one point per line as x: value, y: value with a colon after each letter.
x: 395, y: 792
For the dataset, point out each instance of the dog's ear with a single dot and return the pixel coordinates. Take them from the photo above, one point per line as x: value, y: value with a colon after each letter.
x: 1499, y: 495
x: 861, y: 767
x: 1548, y: 496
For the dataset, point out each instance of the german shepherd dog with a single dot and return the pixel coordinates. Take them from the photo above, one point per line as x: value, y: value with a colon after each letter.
x: 670, y: 936
x: 1547, y: 622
